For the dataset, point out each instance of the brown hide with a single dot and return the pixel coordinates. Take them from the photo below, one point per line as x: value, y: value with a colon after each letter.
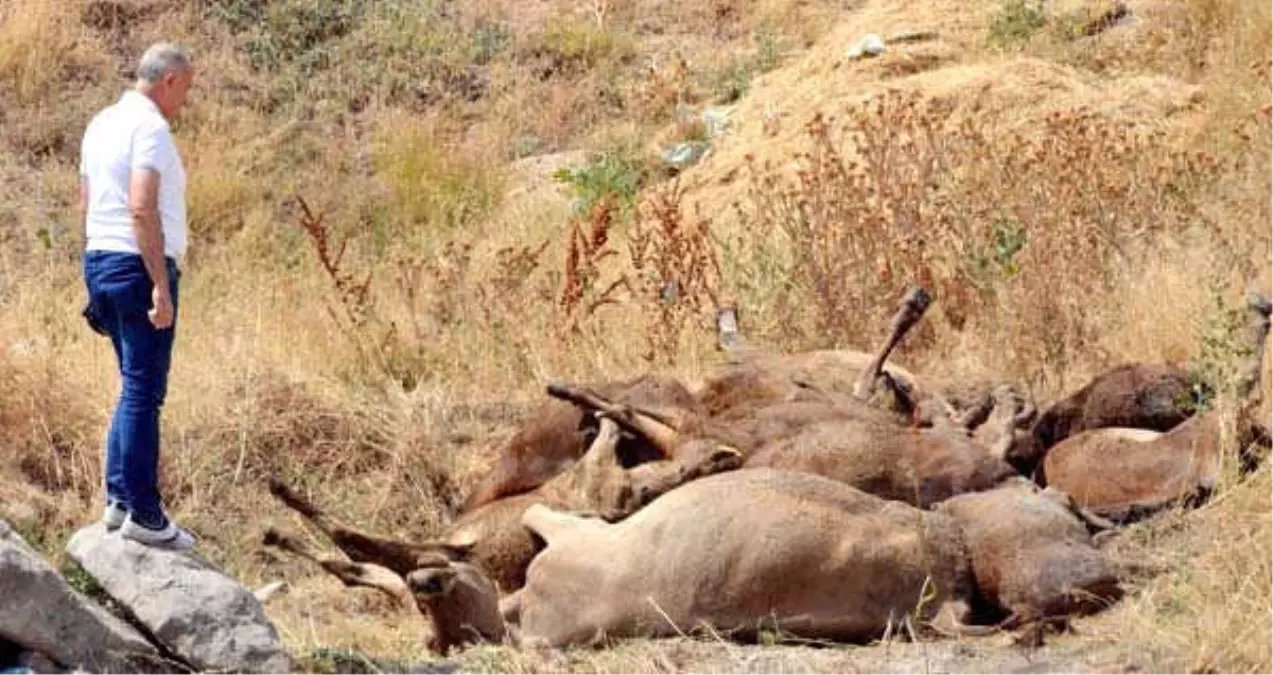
x: 742, y: 551
x: 918, y: 466
x: 1032, y: 557
x: 770, y: 379
x: 1136, y: 396
x: 1123, y: 474
x: 499, y: 545
x: 492, y: 537
x: 753, y: 428
x: 556, y: 436
x: 1120, y: 475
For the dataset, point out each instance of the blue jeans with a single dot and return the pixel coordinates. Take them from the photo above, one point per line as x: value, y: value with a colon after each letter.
x: 119, y: 299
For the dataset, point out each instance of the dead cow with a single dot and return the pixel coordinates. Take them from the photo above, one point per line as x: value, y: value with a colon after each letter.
x: 920, y: 466
x: 857, y: 384
x: 753, y: 378
x: 848, y: 441
x: 1032, y: 554
x: 740, y: 552
x: 1123, y: 474
x: 1132, y: 396
x: 492, y: 538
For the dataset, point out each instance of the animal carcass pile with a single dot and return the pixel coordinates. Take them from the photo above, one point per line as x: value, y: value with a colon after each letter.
x: 825, y: 495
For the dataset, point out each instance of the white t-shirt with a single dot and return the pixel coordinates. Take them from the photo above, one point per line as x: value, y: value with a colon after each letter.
x: 131, y: 134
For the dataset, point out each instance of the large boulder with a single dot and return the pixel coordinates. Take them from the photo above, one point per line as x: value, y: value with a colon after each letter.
x: 40, y: 612
x: 196, y: 611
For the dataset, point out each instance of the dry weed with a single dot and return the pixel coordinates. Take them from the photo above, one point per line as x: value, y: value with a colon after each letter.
x: 675, y: 274
x: 906, y: 193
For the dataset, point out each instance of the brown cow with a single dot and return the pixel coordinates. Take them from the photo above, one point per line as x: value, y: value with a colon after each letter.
x: 1134, y: 396
x: 848, y: 441
x: 753, y: 378
x: 741, y: 552
x: 1032, y: 555
x: 1124, y: 474
x: 492, y: 537
x: 558, y: 434
x: 918, y: 466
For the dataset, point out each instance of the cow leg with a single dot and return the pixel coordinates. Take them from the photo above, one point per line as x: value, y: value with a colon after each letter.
x: 598, y: 476
x: 698, y: 459
x: 913, y: 306
x: 659, y: 428
x: 400, y: 556
x: 352, y: 574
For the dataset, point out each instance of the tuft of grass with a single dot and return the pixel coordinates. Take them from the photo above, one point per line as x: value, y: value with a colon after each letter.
x: 1016, y: 22
x: 570, y: 46
x: 731, y: 83
x: 436, y: 187
x: 37, y: 42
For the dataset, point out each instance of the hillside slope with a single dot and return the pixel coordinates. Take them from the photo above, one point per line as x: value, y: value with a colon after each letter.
x: 1075, y: 201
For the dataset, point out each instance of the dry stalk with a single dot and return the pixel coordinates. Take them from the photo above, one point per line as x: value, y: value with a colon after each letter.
x: 675, y: 270
x: 584, y: 289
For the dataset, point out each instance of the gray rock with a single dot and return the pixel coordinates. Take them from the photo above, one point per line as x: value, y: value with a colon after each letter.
x: 870, y: 45
x: 682, y: 155
x: 193, y: 609
x: 42, y: 613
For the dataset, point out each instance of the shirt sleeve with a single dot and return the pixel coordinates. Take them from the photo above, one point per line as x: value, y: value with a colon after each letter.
x: 151, y: 148
x: 84, y: 151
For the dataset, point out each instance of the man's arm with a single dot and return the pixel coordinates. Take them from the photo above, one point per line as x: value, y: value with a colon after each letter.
x: 143, y: 201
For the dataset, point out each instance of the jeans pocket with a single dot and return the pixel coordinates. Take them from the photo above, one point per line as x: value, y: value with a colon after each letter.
x: 93, y: 316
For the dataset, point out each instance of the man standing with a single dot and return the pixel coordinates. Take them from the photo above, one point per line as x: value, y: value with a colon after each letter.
x: 132, y: 193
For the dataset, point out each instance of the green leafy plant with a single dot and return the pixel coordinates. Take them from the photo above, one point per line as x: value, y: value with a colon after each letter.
x: 1214, y: 370
x: 616, y: 175
x: 1016, y: 21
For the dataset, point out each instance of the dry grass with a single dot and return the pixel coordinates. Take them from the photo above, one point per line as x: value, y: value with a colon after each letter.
x: 1140, y: 157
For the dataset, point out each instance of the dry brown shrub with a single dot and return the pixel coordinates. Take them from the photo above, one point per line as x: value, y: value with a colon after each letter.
x: 48, y: 431
x: 586, y: 284
x: 674, y: 270
x: 281, y: 426
x: 904, y: 192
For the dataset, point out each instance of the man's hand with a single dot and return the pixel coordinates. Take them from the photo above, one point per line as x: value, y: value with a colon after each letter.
x: 161, y: 313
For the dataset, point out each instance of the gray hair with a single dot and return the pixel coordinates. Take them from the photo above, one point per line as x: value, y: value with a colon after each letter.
x: 161, y: 58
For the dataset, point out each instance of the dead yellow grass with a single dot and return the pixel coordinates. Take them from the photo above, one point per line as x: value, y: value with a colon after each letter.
x: 37, y: 40
x: 265, y: 380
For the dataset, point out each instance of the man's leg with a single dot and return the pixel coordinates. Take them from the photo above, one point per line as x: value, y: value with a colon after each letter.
x: 97, y: 265
x: 145, y: 355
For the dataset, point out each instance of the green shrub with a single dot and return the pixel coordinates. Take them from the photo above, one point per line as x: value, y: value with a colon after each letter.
x: 1016, y: 21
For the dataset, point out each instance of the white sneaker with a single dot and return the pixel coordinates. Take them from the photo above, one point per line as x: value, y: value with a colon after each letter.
x: 114, y: 515
x: 172, y: 537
